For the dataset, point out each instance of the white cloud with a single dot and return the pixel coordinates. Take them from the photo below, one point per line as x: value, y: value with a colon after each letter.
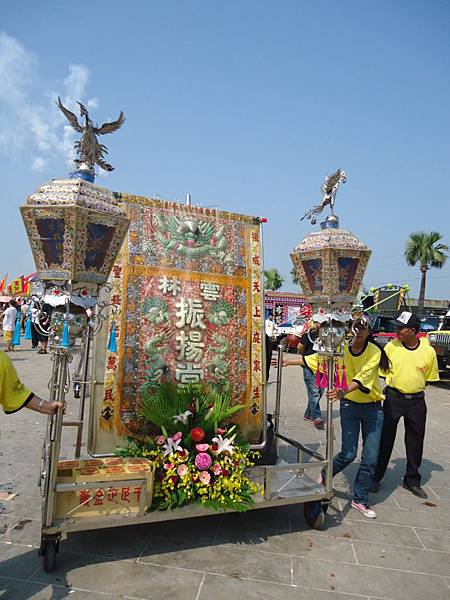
x: 38, y: 163
x: 31, y: 125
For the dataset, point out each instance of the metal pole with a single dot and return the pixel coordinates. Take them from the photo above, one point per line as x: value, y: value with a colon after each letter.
x: 276, y: 414
x: 188, y: 200
x: 59, y: 390
x: 329, y: 449
x: 86, y: 352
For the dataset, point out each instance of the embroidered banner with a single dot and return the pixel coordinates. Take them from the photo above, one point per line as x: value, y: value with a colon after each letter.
x: 188, y: 281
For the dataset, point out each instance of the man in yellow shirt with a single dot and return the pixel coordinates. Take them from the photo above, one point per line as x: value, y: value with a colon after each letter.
x: 413, y: 364
x: 14, y: 395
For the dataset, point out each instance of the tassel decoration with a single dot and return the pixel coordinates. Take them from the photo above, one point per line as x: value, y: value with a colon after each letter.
x: 324, y: 378
x: 337, y: 383
x: 112, y: 344
x: 65, y: 335
x: 343, y: 379
x: 16, y: 335
x: 318, y: 378
x: 28, y: 335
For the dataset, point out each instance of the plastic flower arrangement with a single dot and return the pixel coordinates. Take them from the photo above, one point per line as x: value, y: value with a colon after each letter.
x: 198, y: 454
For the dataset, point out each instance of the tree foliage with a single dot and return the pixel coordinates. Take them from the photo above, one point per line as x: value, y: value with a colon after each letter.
x: 272, y: 280
x: 425, y: 249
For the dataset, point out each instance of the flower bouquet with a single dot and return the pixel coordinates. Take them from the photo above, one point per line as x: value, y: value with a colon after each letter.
x: 199, y: 456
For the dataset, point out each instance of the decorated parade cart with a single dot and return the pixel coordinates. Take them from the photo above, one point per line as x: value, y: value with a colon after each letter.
x: 161, y: 306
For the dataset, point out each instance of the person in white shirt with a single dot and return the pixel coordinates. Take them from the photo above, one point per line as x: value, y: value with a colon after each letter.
x: 9, y: 323
x: 271, y: 327
x: 271, y: 331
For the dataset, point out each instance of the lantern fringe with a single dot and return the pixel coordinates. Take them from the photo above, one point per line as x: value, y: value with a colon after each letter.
x: 336, y: 377
x: 65, y: 335
x: 112, y: 343
x: 324, y: 378
x: 318, y: 378
x: 343, y: 378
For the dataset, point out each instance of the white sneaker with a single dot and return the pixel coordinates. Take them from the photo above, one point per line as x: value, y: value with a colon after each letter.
x: 364, y: 509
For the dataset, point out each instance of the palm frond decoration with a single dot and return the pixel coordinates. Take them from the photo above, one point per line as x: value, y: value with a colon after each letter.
x: 209, y: 407
x: 161, y: 405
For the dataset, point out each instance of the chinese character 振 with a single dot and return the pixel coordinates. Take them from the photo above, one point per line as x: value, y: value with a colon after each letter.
x: 190, y: 313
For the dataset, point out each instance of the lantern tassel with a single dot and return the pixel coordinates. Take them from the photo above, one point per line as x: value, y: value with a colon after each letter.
x: 28, y: 335
x: 16, y: 335
x: 337, y: 384
x: 343, y: 378
x: 112, y: 344
x: 65, y: 335
x: 324, y: 378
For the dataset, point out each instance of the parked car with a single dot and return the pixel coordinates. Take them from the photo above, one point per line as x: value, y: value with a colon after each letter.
x: 439, y: 338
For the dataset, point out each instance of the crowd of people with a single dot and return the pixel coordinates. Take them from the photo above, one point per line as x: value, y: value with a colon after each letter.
x: 15, y: 313
x: 407, y: 364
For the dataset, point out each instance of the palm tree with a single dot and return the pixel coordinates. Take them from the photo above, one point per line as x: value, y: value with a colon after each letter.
x: 272, y: 280
x: 423, y: 248
x: 294, y: 277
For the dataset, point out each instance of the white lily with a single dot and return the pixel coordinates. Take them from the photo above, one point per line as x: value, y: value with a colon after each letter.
x: 183, y: 417
x: 223, y: 444
x: 170, y: 447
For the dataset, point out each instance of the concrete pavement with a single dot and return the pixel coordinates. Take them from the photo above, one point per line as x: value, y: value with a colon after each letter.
x: 270, y: 554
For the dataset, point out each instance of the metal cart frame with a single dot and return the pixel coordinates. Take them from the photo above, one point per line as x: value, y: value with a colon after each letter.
x: 283, y: 483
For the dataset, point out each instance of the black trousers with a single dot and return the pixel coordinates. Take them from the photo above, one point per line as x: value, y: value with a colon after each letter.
x: 269, y: 350
x: 414, y: 413
x: 34, y: 336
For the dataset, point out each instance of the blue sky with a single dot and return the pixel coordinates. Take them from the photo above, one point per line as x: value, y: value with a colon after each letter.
x: 246, y: 105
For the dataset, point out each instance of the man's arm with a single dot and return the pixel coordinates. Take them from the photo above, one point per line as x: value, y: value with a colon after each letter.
x: 40, y: 405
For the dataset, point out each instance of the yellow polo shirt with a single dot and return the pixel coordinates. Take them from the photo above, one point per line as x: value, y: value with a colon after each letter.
x: 13, y: 394
x: 411, y: 369
x: 362, y: 367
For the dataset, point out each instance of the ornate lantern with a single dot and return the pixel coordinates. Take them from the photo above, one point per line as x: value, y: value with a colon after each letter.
x: 75, y: 229
x: 330, y: 265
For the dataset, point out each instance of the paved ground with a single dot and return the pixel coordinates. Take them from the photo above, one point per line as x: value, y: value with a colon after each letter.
x: 264, y: 554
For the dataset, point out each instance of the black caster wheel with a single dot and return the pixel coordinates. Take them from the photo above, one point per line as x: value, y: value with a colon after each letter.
x: 76, y: 390
x: 48, y: 552
x: 314, y: 514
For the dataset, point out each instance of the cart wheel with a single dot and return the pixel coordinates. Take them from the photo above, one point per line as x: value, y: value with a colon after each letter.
x: 314, y: 514
x: 76, y: 389
x: 48, y: 555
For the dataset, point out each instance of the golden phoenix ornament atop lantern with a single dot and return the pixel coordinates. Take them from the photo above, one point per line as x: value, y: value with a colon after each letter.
x: 330, y: 263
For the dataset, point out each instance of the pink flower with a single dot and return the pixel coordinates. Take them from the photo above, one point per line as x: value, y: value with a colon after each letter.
x: 203, y: 461
x: 220, y: 431
x: 182, y: 470
x: 216, y: 469
x: 204, y: 477
x: 160, y: 439
x: 168, y: 466
x: 202, y: 447
x: 177, y: 436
